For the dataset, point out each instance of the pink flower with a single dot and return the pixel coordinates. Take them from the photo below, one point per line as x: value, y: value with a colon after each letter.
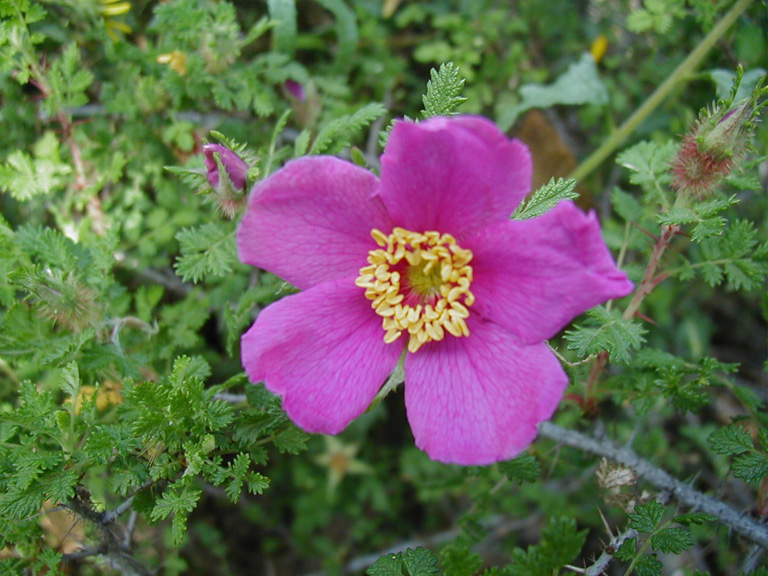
x: 425, y: 259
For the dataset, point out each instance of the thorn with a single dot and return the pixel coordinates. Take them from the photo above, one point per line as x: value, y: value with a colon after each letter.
x: 646, y: 318
x: 605, y: 524
x: 646, y: 232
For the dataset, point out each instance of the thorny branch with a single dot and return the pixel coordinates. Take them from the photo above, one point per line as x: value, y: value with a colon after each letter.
x: 115, y: 541
x: 601, y: 563
x: 737, y: 521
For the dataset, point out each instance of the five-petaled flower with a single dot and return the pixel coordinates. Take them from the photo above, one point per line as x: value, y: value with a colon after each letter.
x: 427, y: 259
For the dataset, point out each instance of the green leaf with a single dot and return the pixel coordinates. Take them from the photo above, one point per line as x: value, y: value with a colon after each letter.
x: 730, y: 440
x: 418, y: 562
x: 525, y: 468
x: 648, y: 163
x: 67, y: 81
x: 705, y: 216
x: 626, y: 205
x: 579, y: 84
x: 648, y: 565
x: 26, y: 177
x: 282, y: 13
x: 178, y: 500
x: 387, y: 565
x: 697, y: 518
x: 458, y: 560
x: 672, y: 540
x: 346, y: 31
x: 70, y: 381
x: 750, y: 467
x: 627, y: 550
x: 647, y: 516
x: 545, y: 198
x: 338, y: 134
x: 444, y: 88
x: 207, y: 250
x: 735, y: 256
x: 560, y: 543
x: 606, y: 330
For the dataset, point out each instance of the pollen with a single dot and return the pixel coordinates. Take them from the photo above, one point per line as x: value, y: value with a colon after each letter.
x: 419, y: 284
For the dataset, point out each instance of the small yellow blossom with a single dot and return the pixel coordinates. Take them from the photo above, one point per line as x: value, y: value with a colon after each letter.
x: 599, y: 47
x: 108, y: 394
x: 340, y: 460
x: 111, y: 8
x: 176, y: 59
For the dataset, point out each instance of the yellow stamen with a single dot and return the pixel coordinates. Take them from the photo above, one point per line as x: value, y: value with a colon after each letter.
x: 438, y: 279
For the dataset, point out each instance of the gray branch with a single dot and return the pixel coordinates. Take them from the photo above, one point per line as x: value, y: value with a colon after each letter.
x: 601, y: 563
x: 737, y: 521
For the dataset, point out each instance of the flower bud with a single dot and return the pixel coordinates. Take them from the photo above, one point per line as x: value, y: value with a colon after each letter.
x: 235, y: 167
x: 295, y: 89
x: 709, y: 152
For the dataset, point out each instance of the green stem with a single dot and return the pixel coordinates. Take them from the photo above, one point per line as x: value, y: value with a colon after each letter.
x: 681, y: 72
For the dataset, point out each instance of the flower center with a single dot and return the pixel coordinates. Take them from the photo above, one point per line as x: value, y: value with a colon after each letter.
x: 418, y: 283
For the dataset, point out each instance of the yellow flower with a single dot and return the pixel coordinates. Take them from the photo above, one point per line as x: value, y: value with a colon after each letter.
x: 340, y: 460
x: 111, y: 8
x: 599, y: 47
x: 176, y: 59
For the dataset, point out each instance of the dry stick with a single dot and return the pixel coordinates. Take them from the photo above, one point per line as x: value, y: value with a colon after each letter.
x: 739, y: 522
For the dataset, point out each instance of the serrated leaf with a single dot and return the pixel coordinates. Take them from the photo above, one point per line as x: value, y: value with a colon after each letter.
x: 648, y: 163
x: 545, y: 198
x: 627, y: 550
x: 444, y: 88
x: 207, y: 250
x: 626, y: 205
x: 648, y: 565
x: 750, y: 467
x: 70, y: 381
x: 606, y: 331
x: 647, y: 516
x: 731, y: 439
x: 697, y: 518
x: 458, y: 560
x: 672, y: 540
x: 420, y: 562
x: 524, y: 468
x: 338, y: 133
x: 387, y: 565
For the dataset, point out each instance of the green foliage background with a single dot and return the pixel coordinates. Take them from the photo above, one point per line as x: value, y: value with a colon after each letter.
x: 130, y: 440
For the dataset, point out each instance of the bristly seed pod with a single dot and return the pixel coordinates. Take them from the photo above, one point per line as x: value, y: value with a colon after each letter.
x: 717, y: 139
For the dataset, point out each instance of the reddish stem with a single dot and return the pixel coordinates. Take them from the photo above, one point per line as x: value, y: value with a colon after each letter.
x: 647, y: 284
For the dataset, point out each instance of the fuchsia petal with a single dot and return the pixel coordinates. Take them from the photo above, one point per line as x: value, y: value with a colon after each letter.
x: 452, y: 175
x: 323, y: 351
x: 534, y: 276
x: 311, y: 221
x: 478, y: 400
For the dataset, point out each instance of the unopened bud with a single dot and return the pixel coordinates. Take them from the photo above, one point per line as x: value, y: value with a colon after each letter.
x: 236, y: 168
x: 227, y: 174
x: 709, y: 152
x: 295, y: 89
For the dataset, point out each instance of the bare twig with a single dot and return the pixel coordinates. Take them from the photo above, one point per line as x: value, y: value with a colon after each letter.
x: 737, y: 521
x: 601, y: 563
